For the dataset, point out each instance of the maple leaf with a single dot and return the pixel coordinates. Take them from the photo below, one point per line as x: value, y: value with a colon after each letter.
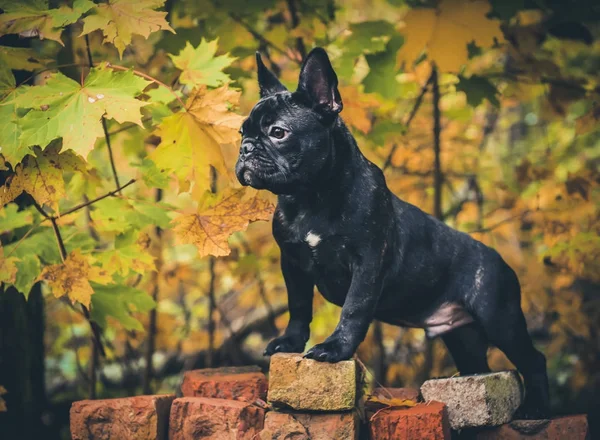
x: 117, y: 301
x: 199, y: 66
x: 445, y: 31
x: 131, y: 253
x: 190, y: 140
x: 21, y: 58
x: 120, y: 19
x: 42, y: 176
x: 356, y: 106
x: 11, y: 147
x: 64, y: 108
x: 8, y: 269
x: 11, y: 218
x: 210, y: 228
x: 72, y: 278
x: 34, y: 18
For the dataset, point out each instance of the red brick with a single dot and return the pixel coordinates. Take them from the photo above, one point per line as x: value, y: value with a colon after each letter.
x: 194, y: 418
x: 426, y: 421
x: 570, y: 427
x: 310, y: 426
x: 141, y: 417
x: 398, y: 393
x: 238, y: 383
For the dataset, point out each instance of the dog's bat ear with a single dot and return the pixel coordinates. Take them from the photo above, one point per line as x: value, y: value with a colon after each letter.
x: 267, y: 81
x: 318, y: 82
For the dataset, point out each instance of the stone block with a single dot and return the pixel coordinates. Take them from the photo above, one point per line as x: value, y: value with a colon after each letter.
x: 477, y: 400
x: 308, y: 385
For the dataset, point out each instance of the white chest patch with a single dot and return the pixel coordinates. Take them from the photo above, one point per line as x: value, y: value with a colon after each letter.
x: 312, y: 239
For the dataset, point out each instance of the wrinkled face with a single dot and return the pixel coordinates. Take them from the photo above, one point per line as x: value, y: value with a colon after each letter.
x: 284, y: 145
x: 285, y: 140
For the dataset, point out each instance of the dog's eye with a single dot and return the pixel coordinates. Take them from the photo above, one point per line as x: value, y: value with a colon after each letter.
x: 277, y: 132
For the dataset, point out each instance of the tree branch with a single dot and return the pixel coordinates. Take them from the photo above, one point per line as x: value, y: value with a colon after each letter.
x: 260, y: 38
x: 97, y: 199
x: 411, y: 116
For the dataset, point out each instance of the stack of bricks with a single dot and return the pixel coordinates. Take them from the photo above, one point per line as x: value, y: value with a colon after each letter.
x: 309, y: 400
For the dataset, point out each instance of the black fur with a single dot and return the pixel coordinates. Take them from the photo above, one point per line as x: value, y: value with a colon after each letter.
x: 341, y: 229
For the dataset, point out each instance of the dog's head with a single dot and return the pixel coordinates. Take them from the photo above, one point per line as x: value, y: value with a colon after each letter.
x: 286, y: 138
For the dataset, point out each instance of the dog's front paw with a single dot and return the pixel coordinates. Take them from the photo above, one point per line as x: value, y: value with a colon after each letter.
x: 332, y: 350
x: 286, y: 344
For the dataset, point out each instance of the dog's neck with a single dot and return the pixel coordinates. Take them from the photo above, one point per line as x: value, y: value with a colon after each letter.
x: 335, y: 180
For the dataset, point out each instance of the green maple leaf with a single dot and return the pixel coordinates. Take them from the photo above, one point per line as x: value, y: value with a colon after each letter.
x: 200, y: 66
x: 21, y: 58
x: 119, y: 301
x: 11, y: 218
x: 34, y: 18
x: 477, y: 88
x: 10, y: 145
x: 64, y: 108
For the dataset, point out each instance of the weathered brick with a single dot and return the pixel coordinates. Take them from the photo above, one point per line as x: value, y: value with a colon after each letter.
x: 305, y: 384
x: 237, y: 383
x: 424, y: 421
x: 397, y: 393
x: 194, y: 418
x: 141, y: 417
x: 570, y: 427
x: 310, y: 426
x: 477, y: 400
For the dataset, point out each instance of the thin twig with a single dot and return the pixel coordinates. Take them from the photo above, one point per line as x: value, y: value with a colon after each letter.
x: 149, y: 78
x: 411, y: 116
x: 500, y: 223
x: 97, y: 199
x: 261, y: 38
x: 437, y: 129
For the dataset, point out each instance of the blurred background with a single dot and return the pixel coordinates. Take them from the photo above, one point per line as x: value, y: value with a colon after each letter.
x: 483, y: 113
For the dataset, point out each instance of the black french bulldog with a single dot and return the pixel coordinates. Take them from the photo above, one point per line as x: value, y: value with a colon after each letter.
x: 340, y: 228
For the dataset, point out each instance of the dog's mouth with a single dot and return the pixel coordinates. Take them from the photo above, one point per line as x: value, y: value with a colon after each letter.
x: 260, y: 174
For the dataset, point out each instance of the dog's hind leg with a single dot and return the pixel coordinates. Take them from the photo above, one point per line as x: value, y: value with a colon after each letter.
x: 501, y: 317
x: 468, y: 347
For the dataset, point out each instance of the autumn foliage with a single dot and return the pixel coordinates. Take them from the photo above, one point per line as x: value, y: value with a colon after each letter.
x: 121, y: 215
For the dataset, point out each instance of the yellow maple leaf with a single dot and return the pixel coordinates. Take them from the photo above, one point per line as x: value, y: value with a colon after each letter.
x: 72, y: 278
x: 8, y: 269
x: 445, y: 31
x: 210, y: 228
x: 190, y: 140
x: 41, y: 176
x: 120, y: 19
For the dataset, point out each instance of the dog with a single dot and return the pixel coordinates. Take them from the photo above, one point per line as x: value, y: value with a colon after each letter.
x: 340, y: 228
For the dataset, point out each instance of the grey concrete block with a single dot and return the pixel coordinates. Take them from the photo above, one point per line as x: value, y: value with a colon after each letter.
x: 477, y: 400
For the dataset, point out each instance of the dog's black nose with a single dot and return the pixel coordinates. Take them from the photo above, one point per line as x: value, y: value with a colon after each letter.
x: 247, y: 148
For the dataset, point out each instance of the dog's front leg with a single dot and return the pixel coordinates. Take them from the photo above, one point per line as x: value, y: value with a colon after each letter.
x: 357, y: 314
x: 300, y: 289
